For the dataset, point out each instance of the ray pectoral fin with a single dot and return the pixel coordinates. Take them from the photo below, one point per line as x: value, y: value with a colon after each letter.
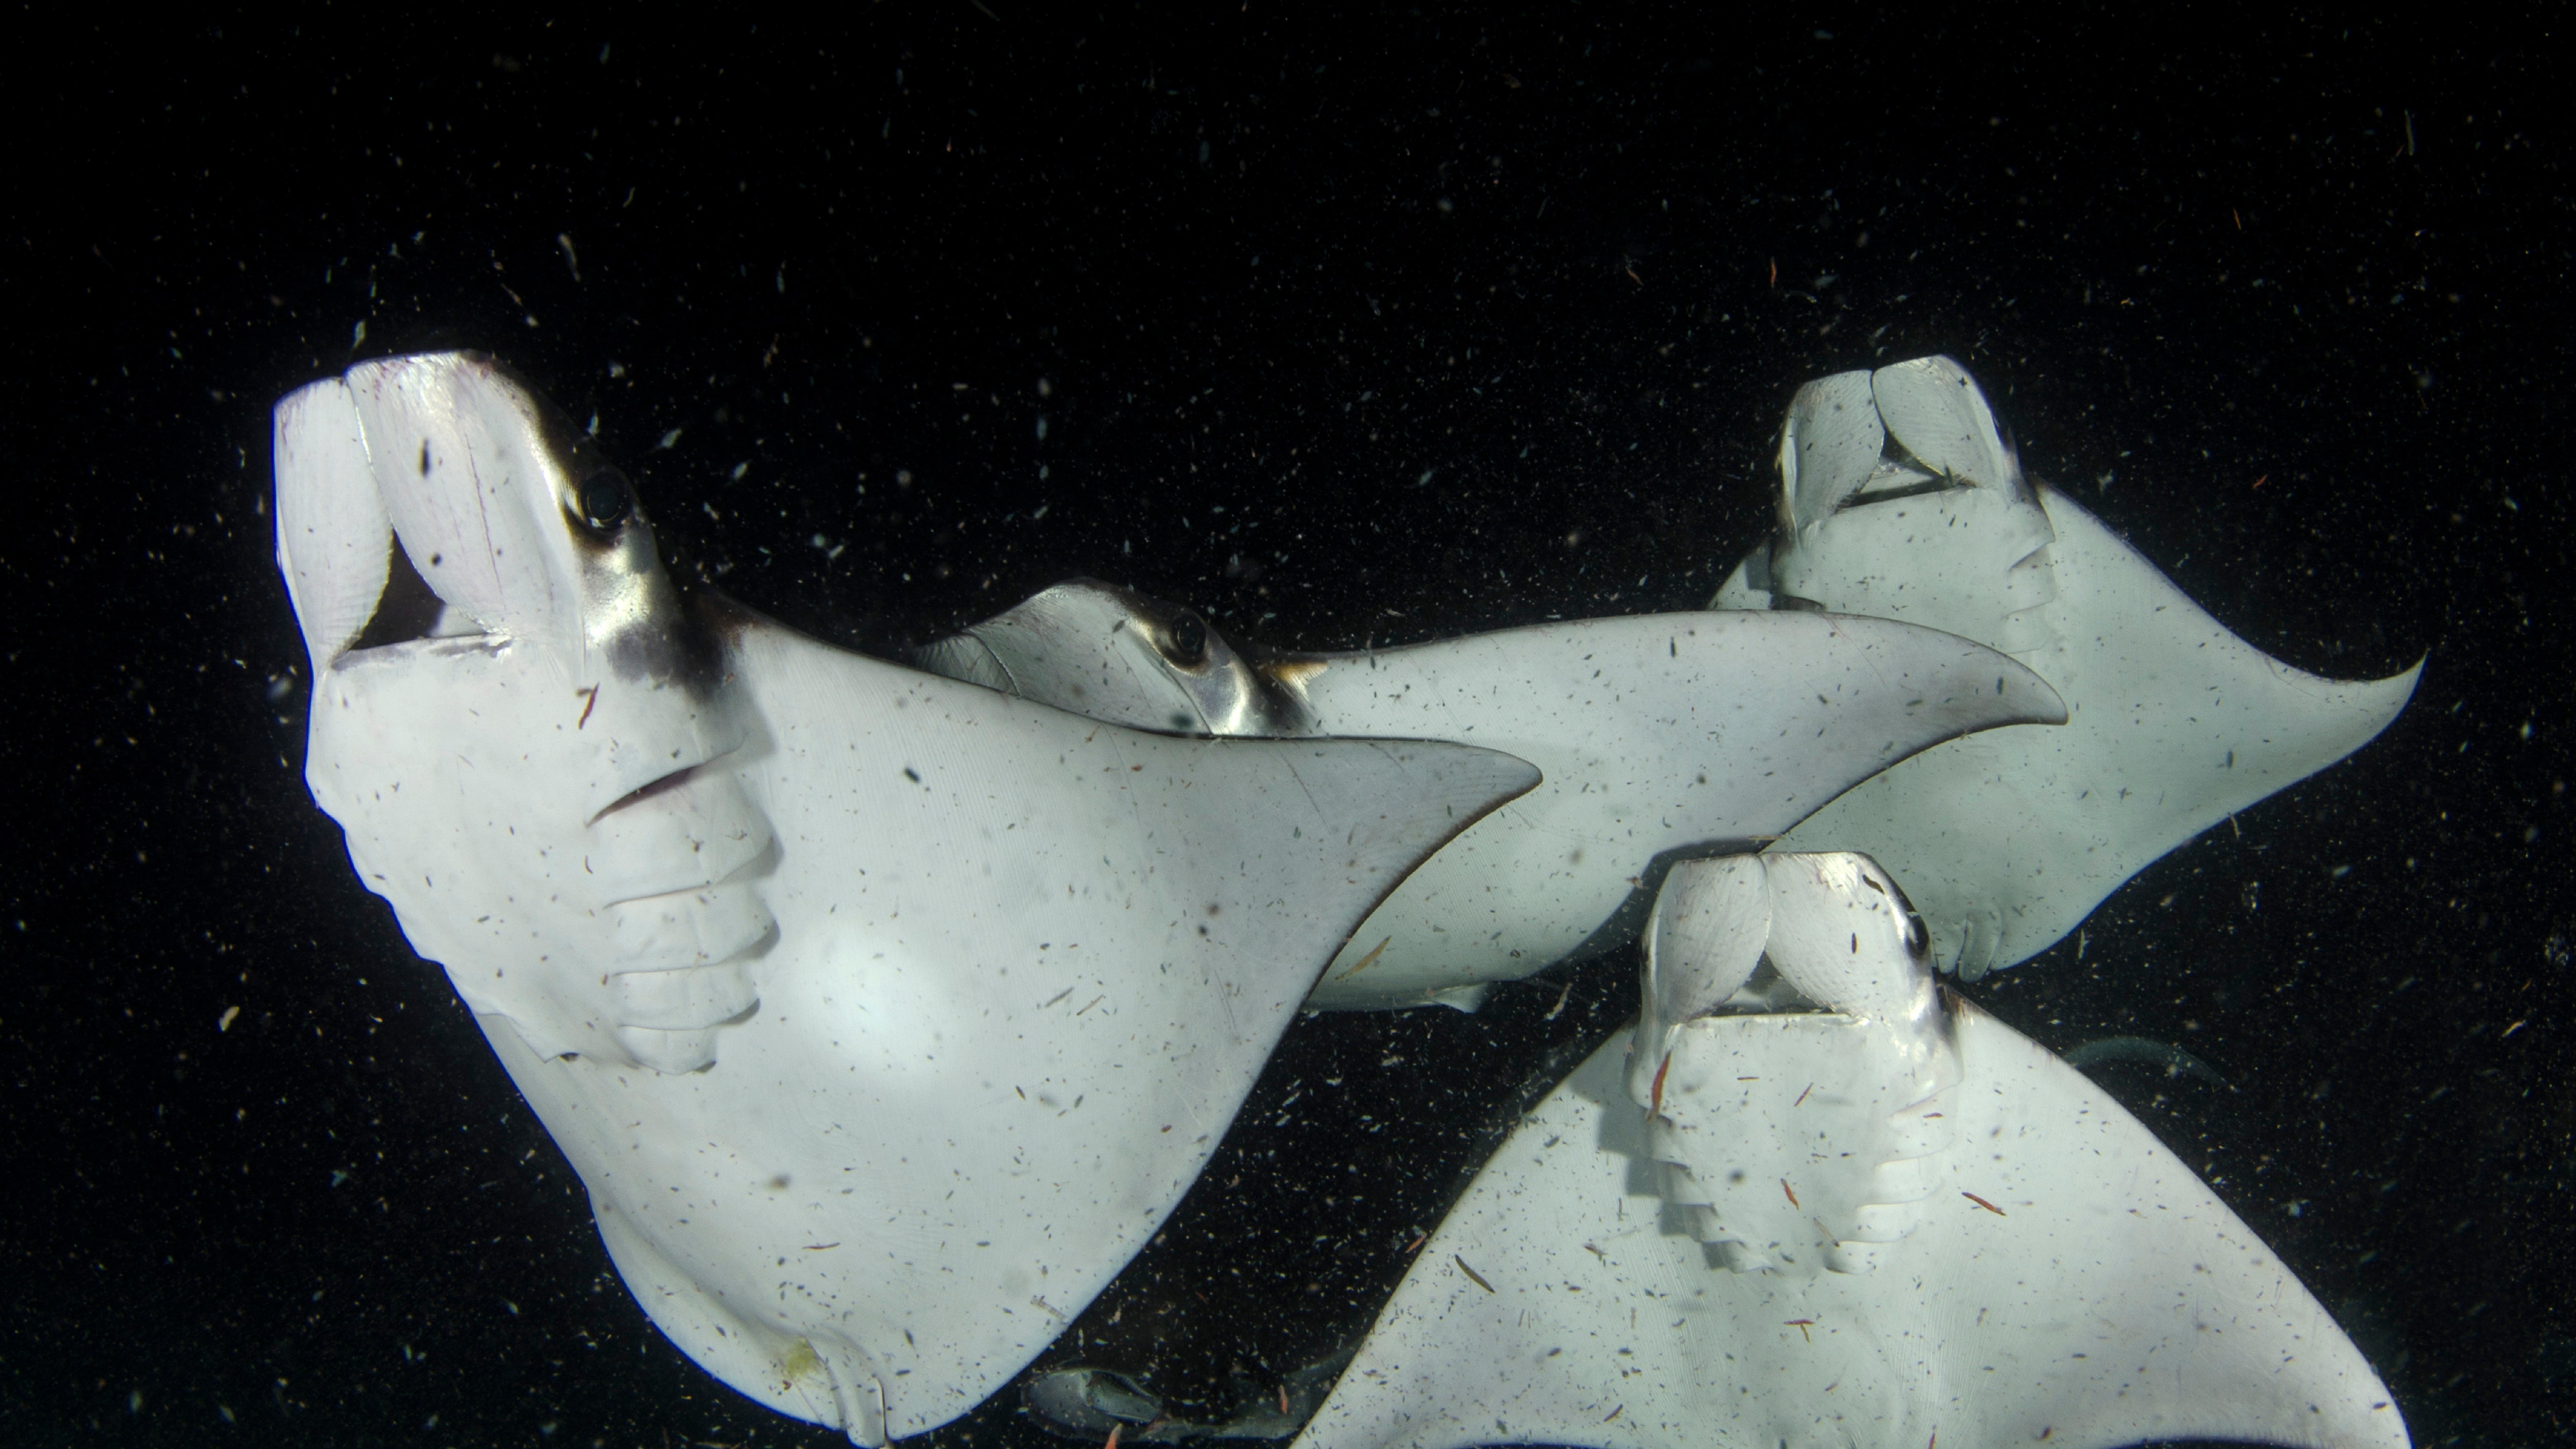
x: 817, y: 1376
x: 948, y: 862
x: 2008, y: 840
x: 2279, y: 724
x: 1661, y: 736
x: 2179, y: 724
x: 2285, y: 1369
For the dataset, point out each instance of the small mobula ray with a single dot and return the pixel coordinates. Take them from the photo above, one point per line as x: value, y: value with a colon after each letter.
x: 1901, y: 498
x: 883, y: 1016
x: 1661, y: 736
x: 1892, y: 1221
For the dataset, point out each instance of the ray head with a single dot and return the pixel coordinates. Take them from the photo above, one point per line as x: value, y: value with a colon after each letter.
x: 1118, y: 655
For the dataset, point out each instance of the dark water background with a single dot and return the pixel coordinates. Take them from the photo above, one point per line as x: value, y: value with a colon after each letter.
x: 1462, y: 320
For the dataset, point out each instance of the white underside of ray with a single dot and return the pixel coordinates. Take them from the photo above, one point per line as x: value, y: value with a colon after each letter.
x: 1887, y: 1226
x: 1658, y: 735
x: 886, y: 1030
x: 987, y: 1075
x: 2076, y: 1315
x: 2008, y: 839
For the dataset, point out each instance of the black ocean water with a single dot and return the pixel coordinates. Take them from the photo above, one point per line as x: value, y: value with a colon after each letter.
x: 1376, y: 326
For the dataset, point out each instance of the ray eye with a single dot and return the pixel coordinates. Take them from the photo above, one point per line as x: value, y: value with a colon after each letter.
x: 1185, y: 642
x: 606, y: 501
x: 1918, y: 936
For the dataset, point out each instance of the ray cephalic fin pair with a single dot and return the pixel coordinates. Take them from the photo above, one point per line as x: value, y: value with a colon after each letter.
x: 885, y: 1016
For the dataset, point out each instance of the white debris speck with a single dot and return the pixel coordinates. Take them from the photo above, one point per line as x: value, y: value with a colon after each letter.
x: 225, y: 1021
x: 669, y: 440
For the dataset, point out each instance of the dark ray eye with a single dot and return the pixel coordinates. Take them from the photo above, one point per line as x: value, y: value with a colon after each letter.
x: 1185, y: 642
x: 1918, y: 936
x: 606, y: 501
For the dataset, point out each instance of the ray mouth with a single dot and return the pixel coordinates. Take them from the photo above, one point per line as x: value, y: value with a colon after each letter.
x: 408, y: 610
